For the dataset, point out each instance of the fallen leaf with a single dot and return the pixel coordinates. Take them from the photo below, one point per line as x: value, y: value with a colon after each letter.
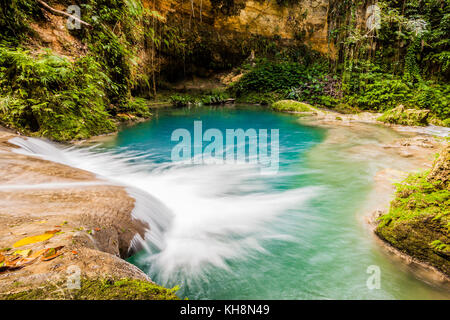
x: 11, y: 259
x: 51, y: 253
x: 74, y: 252
x: 23, y: 253
x: 11, y: 263
x: 17, y: 260
x: 33, y: 239
x: 36, y: 254
x: 25, y: 261
x: 97, y: 229
x: 57, y: 226
x: 52, y: 256
x: 53, y: 231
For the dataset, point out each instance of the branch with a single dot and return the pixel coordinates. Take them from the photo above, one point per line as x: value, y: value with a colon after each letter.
x: 63, y: 13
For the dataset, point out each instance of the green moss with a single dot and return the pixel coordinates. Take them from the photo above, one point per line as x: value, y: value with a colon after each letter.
x: 199, y: 98
x: 438, y: 122
x: 407, y: 117
x: 99, y: 289
x: 265, y: 98
x: 346, y: 109
x: 47, y: 95
x: 14, y: 15
x: 292, y: 106
x: 440, y: 248
x: 138, y: 107
x: 418, y: 221
x: 43, y: 94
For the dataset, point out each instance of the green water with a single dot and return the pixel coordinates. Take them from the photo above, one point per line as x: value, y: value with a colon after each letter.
x: 236, y: 234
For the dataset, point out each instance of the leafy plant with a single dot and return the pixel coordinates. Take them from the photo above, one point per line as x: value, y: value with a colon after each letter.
x: 48, y: 95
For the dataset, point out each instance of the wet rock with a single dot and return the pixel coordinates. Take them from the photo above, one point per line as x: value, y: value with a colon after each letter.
x: 408, y: 117
x: 440, y: 173
x: 406, y: 154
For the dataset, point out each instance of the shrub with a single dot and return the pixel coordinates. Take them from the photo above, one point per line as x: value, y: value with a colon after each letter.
x: 270, y: 76
x: 50, y: 96
x: 262, y: 98
x: 290, y: 105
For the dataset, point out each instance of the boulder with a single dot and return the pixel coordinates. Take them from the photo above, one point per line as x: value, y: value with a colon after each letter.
x: 440, y: 173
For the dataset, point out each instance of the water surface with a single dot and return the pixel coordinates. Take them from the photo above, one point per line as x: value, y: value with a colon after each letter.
x: 224, y: 231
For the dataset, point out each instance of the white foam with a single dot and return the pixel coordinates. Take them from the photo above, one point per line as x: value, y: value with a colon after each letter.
x: 199, y: 215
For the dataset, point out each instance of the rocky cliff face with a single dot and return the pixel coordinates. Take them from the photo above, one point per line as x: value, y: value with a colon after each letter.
x: 205, y: 36
x: 220, y: 34
x: 305, y: 21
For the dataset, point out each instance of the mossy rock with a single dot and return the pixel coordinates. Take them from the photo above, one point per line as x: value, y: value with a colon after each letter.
x: 440, y: 174
x: 346, y: 109
x: 98, y: 289
x: 418, y: 221
x: 439, y: 122
x: 293, y: 106
x: 417, y: 238
x: 407, y: 117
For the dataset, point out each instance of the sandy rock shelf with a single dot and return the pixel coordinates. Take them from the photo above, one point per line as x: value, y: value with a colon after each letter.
x: 93, y: 221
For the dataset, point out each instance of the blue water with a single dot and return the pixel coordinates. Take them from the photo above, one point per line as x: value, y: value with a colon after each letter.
x: 233, y: 233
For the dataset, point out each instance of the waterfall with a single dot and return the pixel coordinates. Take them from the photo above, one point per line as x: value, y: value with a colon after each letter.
x: 200, y: 216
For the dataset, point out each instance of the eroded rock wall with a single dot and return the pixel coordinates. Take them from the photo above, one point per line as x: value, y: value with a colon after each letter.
x: 305, y: 21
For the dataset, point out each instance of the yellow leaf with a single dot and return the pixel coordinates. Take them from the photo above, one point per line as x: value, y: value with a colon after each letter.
x: 37, y: 253
x: 34, y: 239
x: 23, y: 253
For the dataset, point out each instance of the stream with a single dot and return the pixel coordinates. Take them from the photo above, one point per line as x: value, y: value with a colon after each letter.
x: 227, y: 231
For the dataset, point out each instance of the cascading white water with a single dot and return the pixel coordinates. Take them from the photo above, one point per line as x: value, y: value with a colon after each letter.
x: 200, y: 216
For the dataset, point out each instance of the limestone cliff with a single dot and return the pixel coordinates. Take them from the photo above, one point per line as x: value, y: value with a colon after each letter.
x: 305, y: 21
x: 220, y: 34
